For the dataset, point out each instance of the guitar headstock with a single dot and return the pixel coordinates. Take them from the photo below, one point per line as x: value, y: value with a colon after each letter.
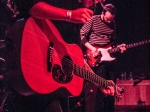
x: 118, y: 93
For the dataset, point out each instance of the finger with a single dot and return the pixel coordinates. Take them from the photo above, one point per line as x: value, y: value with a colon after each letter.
x: 124, y: 44
x: 111, y: 90
x: 111, y: 81
x: 89, y: 12
x: 106, y: 92
x: 83, y: 21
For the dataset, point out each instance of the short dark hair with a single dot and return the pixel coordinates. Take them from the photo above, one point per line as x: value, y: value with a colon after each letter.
x: 109, y: 7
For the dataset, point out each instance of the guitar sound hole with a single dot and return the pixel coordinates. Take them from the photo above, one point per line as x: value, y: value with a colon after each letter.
x: 63, y: 74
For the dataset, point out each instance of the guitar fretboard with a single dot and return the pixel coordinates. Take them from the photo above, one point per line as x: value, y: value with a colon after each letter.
x: 136, y: 44
x: 82, y: 72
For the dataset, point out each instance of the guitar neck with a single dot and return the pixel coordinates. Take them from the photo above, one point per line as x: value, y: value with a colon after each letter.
x: 82, y: 72
x: 136, y: 44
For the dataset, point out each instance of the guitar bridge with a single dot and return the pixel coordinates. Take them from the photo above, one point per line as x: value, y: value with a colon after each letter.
x: 49, y: 56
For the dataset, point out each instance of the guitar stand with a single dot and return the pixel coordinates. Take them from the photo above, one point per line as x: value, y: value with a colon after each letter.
x: 6, y: 97
x: 2, y: 101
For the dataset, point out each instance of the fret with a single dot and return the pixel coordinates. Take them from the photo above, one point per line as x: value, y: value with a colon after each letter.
x: 82, y: 72
x: 114, y: 50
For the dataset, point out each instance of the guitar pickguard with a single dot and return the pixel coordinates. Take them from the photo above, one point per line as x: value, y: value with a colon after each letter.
x: 63, y: 74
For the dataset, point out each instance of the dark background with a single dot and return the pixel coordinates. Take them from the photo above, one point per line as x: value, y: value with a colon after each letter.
x: 133, y: 25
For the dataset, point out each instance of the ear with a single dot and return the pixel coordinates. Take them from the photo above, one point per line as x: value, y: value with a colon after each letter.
x: 102, y: 13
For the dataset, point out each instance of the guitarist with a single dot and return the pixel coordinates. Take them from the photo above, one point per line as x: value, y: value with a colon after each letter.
x: 100, y: 31
x: 68, y: 15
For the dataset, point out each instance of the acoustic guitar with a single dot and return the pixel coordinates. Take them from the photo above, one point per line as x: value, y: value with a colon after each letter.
x: 43, y: 63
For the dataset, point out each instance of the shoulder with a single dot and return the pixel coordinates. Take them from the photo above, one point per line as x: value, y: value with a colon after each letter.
x: 95, y: 17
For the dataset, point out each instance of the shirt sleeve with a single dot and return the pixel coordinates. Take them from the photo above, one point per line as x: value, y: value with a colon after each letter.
x: 85, y: 31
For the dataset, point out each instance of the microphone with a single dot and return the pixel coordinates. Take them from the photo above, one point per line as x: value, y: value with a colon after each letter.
x: 79, y: 103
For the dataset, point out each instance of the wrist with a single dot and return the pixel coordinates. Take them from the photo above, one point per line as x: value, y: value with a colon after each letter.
x: 68, y: 15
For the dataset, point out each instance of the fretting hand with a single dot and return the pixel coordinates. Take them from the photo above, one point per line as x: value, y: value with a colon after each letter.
x: 108, y: 91
x: 122, y: 47
x: 117, y: 91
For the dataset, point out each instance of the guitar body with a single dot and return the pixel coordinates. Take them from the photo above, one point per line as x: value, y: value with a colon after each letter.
x: 104, y: 55
x: 32, y: 61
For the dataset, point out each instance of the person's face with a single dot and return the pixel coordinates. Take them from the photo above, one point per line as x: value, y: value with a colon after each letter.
x: 108, y: 17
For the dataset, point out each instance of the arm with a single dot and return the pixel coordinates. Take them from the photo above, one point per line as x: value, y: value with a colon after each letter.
x: 43, y: 10
x: 85, y: 30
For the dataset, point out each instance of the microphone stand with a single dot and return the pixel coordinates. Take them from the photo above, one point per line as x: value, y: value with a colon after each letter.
x: 79, y: 103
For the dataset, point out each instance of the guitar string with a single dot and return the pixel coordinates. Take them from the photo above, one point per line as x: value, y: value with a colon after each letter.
x: 90, y: 76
